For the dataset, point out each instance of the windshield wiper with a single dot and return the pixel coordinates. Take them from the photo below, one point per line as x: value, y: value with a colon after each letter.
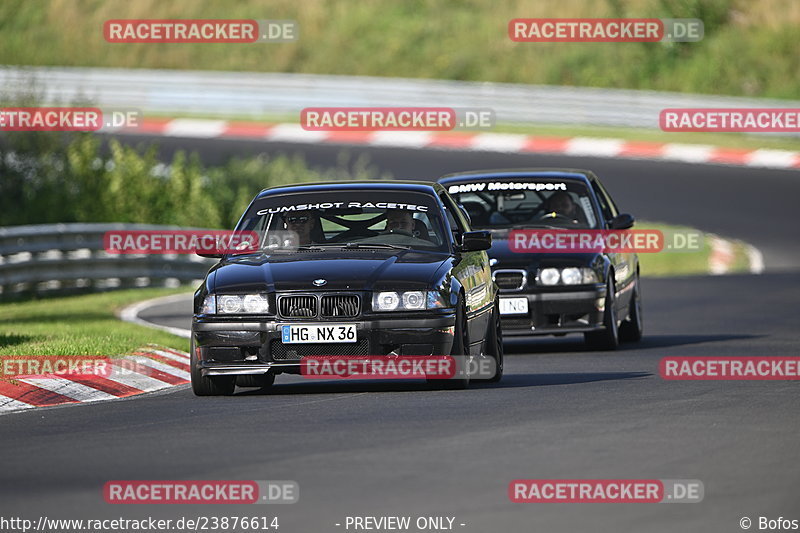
x: 314, y: 247
x: 356, y: 245
x: 349, y: 246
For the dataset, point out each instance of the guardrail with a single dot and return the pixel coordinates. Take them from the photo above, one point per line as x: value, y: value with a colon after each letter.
x: 250, y: 94
x: 70, y: 258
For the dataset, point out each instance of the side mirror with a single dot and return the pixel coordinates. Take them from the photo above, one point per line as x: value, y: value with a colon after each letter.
x: 475, y: 241
x: 623, y: 221
x: 211, y: 255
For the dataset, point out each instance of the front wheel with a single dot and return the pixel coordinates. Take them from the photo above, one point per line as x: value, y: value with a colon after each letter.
x: 494, y: 345
x: 459, y: 352
x: 632, y: 328
x: 608, y: 337
x: 209, y: 385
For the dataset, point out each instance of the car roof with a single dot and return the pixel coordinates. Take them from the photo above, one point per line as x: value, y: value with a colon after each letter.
x: 426, y: 187
x: 477, y: 175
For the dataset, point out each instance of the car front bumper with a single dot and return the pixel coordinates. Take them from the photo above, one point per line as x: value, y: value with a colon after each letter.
x: 557, y: 311
x: 248, y: 347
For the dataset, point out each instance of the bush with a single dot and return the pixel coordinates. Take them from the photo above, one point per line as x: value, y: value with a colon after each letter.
x: 48, y: 178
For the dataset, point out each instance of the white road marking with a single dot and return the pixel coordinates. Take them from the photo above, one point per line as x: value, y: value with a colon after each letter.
x: 594, y: 147
x: 691, y: 153
x: 191, y: 127
x: 295, y: 133
x: 772, y: 158
x: 158, y: 365
x: 756, y: 259
x: 499, y: 142
x: 70, y: 389
x: 136, y: 380
x: 170, y: 355
x: 10, y: 404
x: 410, y: 139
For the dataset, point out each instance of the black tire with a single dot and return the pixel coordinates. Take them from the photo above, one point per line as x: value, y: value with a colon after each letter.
x: 608, y: 337
x: 632, y: 328
x: 494, y: 345
x: 209, y: 385
x: 460, y: 352
x: 261, y: 381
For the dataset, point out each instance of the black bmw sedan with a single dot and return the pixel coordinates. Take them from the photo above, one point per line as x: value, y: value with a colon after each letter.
x: 362, y: 269
x: 562, y: 290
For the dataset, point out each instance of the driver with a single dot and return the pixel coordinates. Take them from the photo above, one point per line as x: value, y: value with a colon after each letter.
x: 302, y: 223
x: 560, y: 203
x: 399, y: 221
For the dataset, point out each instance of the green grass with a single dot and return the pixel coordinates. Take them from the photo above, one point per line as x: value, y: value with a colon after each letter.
x: 749, y: 48
x: 686, y: 263
x: 80, y: 325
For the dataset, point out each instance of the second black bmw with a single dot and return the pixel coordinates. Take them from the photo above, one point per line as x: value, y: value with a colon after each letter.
x: 347, y: 269
x: 597, y: 294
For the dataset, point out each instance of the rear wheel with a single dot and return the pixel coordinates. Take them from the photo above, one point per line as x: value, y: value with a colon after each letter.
x: 494, y: 345
x: 209, y: 385
x: 632, y: 328
x: 608, y: 337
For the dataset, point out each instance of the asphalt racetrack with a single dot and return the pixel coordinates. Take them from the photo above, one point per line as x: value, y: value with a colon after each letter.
x: 377, y: 448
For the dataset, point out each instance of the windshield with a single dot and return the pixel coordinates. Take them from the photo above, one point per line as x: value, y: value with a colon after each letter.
x: 347, y: 219
x: 507, y: 203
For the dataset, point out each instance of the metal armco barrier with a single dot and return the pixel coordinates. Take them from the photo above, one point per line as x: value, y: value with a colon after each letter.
x: 69, y: 258
x: 227, y: 94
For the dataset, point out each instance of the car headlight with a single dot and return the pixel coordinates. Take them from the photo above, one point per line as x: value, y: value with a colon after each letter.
x: 407, y: 300
x: 549, y: 276
x: 231, y: 304
x: 209, y: 305
x: 566, y: 276
x: 413, y: 300
x: 385, y: 301
x: 571, y: 276
x: 589, y: 276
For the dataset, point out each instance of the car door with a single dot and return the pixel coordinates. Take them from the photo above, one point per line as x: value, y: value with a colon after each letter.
x: 624, y: 263
x: 474, y: 274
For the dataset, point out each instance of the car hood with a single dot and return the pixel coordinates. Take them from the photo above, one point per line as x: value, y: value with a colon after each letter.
x: 341, y: 270
x: 506, y: 258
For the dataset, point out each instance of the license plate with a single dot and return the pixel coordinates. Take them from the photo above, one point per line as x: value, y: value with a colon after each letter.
x: 318, y: 333
x: 513, y: 306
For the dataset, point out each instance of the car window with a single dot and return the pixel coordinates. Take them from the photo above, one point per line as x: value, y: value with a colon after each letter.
x: 517, y: 202
x: 605, y: 207
x: 352, y: 217
x: 454, y: 214
x: 606, y: 199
